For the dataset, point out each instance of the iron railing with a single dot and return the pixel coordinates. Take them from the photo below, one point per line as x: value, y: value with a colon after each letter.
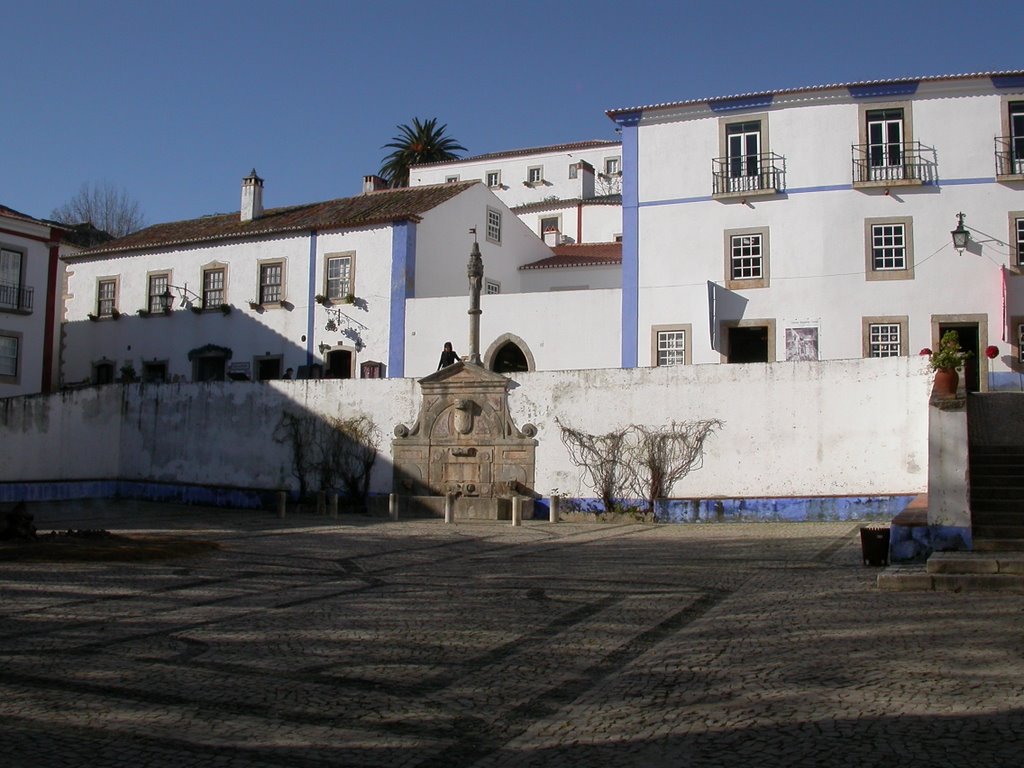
x: 1009, y: 155
x: 738, y: 174
x: 15, y: 297
x: 891, y: 162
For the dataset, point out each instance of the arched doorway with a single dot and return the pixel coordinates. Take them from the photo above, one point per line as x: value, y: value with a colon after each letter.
x: 509, y: 354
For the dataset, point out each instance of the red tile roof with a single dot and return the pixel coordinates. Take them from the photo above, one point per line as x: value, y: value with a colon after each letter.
x: 580, y: 255
x: 381, y: 207
x: 10, y: 213
x: 551, y: 205
x: 591, y: 144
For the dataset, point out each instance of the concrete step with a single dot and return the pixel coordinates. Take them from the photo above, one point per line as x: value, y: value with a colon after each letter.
x: 902, y: 579
x: 998, y: 545
x: 989, y: 531
x: 975, y: 562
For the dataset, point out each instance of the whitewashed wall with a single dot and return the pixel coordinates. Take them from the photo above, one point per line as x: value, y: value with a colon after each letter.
x: 854, y: 427
x: 817, y: 229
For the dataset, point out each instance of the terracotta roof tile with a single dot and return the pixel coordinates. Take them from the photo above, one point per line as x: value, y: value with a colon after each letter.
x: 381, y: 207
x: 551, y: 205
x: 580, y: 255
x: 10, y: 213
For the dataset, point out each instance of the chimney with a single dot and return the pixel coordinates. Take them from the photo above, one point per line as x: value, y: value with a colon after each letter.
x: 373, y: 183
x: 586, y: 178
x: 252, y: 197
x: 552, y: 237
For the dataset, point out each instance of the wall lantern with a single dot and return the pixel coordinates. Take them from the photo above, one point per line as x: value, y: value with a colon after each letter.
x: 960, y: 235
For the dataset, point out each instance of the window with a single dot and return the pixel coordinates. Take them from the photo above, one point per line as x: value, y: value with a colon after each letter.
x: 1017, y: 239
x: 1016, y: 120
x: 744, y: 165
x: 268, y: 368
x: 450, y: 179
x: 154, y: 372
x: 340, y: 270
x: 1020, y: 342
x: 213, y: 289
x: 492, y: 287
x: 535, y: 175
x: 9, y: 344
x: 889, y: 250
x: 574, y: 170
x: 748, y: 341
x: 746, y: 258
x: 12, y: 296
x: 494, y: 225
x: 103, y: 372
x: 670, y: 346
x: 885, y: 336
x: 887, y: 154
x: 612, y: 166
x: 743, y: 154
x: 550, y: 224
x: 106, y: 297
x: 158, y: 292
x: 885, y: 139
x: 494, y: 179
x: 271, y: 283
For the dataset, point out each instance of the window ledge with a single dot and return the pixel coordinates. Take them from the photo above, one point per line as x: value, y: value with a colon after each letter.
x: 742, y: 285
x: 883, y: 184
x: 1010, y: 177
x: 763, y: 192
x: 15, y: 311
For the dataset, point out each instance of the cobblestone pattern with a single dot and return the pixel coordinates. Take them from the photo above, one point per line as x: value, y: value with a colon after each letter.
x: 308, y: 642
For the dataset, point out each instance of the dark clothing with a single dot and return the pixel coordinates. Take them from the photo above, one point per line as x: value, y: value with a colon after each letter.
x: 448, y: 357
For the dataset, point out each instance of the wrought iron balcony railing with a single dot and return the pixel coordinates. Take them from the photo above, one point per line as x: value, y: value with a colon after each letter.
x: 1009, y: 155
x: 748, y: 174
x: 892, y: 163
x: 15, y: 298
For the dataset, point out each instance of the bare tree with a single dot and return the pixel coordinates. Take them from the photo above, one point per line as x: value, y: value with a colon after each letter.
x: 599, y: 458
x: 656, y: 459
x: 105, y: 206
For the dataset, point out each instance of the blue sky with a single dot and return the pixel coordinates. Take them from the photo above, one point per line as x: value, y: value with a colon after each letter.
x: 177, y: 101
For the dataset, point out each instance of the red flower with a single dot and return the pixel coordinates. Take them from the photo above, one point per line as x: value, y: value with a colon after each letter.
x: 991, y: 351
x: 925, y: 351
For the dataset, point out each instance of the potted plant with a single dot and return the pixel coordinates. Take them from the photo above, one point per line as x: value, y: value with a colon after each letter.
x: 142, y: 312
x: 225, y: 309
x: 945, y: 360
x: 321, y: 299
x: 350, y: 298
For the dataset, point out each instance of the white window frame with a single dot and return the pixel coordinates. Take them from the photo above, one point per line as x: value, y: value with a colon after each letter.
x: 756, y: 251
x: 535, y: 175
x: 493, y: 179
x: 574, y: 170
x: 270, y: 265
x: 451, y: 179
x: 1016, y: 219
x: 491, y: 287
x: 155, y: 301
x: 15, y: 276
x: 346, y: 285
x: 10, y: 339
x: 613, y: 166
x: 209, y: 292
x: 493, y: 227
x: 665, y: 348
x: 878, y: 338
x: 891, y: 240
x: 106, y: 305
x: 548, y: 217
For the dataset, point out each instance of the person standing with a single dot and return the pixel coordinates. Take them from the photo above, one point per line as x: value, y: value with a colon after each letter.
x: 448, y: 356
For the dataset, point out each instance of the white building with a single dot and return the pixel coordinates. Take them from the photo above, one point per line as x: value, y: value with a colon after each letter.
x: 564, y: 192
x: 815, y: 223
x: 29, y: 274
x: 319, y: 288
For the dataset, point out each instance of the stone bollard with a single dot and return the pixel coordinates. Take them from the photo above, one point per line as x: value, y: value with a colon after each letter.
x: 321, y: 503
x: 282, y: 503
x: 449, y: 508
x: 517, y: 510
x: 332, y: 505
x: 393, y: 506
x: 553, y: 516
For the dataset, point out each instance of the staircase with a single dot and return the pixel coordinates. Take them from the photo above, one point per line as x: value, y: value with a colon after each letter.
x: 996, y: 465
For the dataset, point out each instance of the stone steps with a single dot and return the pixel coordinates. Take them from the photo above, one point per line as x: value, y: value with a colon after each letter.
x: 959, y: 572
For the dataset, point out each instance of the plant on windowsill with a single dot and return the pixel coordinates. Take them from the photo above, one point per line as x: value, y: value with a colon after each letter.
x: 322, y: 300
x: 142, y: 312
x: 945, y: 360
x: 225, y: 309
x: 196, y: 309
x: 350, y: 298
x: 254, y: 304
x: 128, y: 374
x: 115, y: 314
x: 93, y: 317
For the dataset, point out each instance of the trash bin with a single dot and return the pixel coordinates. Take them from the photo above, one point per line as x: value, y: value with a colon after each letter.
x: 874, y: 545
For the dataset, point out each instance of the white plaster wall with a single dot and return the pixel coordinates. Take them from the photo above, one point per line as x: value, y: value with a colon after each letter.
x: 601, y: 223
x: 563, y: 278
x: 443, y: 244
x: 587, y: 322
x: 513, y: 173
x: 800, y: 429
x: 948, y: 469
x: 19, y: 236
x: 816, y: 231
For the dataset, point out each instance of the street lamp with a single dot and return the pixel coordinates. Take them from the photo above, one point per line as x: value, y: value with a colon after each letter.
x: 961, y: 237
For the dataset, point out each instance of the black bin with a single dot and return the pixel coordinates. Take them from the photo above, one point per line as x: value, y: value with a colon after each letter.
x: 874, y: 545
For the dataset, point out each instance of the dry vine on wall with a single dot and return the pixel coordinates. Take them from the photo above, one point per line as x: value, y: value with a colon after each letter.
x: 638, y: 462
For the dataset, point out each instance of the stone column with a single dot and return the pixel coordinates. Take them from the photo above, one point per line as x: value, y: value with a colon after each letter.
x: 517, y: 510
x: 475, y: 272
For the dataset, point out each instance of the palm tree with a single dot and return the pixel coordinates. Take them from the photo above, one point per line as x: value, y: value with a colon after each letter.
x: 422, y: 143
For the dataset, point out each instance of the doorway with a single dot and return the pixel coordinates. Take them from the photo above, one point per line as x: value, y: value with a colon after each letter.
x: 339, y: 364
x: 970, y: 341
x: 748, y: 344
x: 510, y: 359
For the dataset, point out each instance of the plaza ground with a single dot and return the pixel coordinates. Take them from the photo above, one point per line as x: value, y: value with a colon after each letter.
x: 311, y: 642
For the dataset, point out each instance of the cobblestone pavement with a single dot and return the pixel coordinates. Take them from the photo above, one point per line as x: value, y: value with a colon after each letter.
x: 313, y: 642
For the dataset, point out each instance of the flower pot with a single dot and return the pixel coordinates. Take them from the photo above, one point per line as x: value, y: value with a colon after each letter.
x: 946, y: 381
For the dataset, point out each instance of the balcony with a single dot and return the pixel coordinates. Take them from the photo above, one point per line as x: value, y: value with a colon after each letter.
x: 892, y: 165
x: 748, y: 175
x: 1010, y: 158
x: 15, y: 299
